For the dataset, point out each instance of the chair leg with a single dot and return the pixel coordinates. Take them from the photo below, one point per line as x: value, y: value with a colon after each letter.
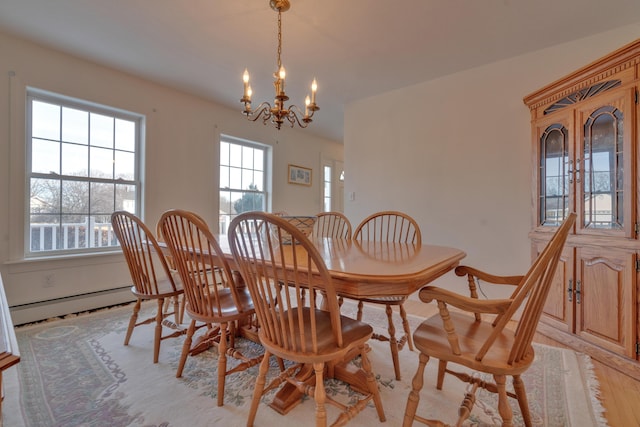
x: 183, y: 305
x: 259, y: 388
x: 320, y: 395
x: 393, y: 342
x: 176, y: 309
x: 372, y: 384
x: 222, y: 362
x: 503, y: 401
x: 407, y: 328
x: 186, y: 347
x: 359, y: 315
x: 442, y: 366
x: 414, y: 395
x: 158, y: 330
x: 132, y: 321
x: 521, y: 394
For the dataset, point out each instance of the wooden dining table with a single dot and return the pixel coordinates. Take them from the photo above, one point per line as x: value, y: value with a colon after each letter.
x: 367, y: 269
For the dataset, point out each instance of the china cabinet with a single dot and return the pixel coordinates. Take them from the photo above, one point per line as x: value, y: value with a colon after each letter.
x: 584, y: 131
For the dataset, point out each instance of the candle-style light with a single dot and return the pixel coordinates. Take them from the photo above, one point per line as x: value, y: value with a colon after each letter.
x: 278, y: 113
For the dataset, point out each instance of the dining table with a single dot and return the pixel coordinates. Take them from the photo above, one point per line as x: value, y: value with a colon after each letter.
x: 361, y: 269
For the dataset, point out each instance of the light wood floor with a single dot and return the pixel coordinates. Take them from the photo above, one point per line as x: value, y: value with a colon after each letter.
x: 619, y: 393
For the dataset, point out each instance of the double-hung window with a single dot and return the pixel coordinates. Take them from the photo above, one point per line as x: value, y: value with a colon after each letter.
x: 243, y: 173
x: 83, y: 163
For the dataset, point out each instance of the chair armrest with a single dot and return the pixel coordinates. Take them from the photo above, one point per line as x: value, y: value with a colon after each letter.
x: 490, y: 278
x: 492, y: 306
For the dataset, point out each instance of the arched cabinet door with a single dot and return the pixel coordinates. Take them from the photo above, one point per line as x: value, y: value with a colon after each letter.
x: 604, y: 185
x: 554, y: 164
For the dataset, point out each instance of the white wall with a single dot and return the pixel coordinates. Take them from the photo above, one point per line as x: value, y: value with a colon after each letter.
x: 455, y: 152
x: 182, y: 134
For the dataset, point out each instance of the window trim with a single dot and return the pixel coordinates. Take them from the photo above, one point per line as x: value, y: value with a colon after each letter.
x: 36, y: 94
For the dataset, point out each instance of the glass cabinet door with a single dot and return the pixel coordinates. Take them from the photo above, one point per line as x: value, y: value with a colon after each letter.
x: 605, y: 152
x: 555, y: 166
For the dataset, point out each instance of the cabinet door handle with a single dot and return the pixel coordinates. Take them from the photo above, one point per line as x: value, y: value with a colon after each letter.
x: 578, y: 291
x: 577, y: 171
x: 570, y: 171
x: 570, y: 290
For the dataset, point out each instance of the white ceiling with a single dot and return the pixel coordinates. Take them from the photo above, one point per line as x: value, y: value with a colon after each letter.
x: 354, y: 48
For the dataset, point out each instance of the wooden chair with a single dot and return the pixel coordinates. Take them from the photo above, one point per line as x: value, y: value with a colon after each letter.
x: 291, y: 325
x: 486, y: 345
x: 151, y: 276
x: 332, y: 224
x: 172, y: 267
x: 390, y: 226
x: 212, y: 294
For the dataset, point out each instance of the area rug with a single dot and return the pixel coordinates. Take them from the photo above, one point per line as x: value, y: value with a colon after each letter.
x: 77, y: 372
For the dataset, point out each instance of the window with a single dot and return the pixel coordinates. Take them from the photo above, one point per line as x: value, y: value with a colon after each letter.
x: 242, y: 179
x: 326, y: 188
x: 82, y: 164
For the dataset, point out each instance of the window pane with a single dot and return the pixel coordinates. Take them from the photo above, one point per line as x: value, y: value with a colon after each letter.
x: 258, y: 180
x: 101, y: 163
x: 44, y: 232
x: 125, y: 165
x: 259, y: 160
x: 45, y: 156
x: 74, y: 159
x: 45, y: 195
x: 224, y: 153
x: 126, y: 198
x: 235, y: 155
x: 75, y: 197
x: 102, y: 198
x: 75, y: 126
x: 125, y: 135
x: 247, y: 157
x: 235, y: 178
x: 45, y: 121
x: 247, y: 179
x: 101, y: 130
x: 224, y: 177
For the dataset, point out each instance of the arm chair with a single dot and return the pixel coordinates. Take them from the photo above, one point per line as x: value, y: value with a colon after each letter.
x: 390, y: 226
x: 291, y: 325
x: 151, y: 276
x: 210, y: 289
x: 486, y: 346
x: 332, y: 224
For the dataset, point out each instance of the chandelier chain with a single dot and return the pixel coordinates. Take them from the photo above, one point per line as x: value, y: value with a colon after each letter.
x: 279, y: 39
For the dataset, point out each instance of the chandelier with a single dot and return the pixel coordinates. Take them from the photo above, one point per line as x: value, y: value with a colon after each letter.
x: 277, y: 113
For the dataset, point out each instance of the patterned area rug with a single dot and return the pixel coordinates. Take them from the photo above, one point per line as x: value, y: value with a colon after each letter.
x: 77, y: 372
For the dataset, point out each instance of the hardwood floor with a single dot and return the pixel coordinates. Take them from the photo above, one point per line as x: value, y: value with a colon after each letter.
x: 619, y: 393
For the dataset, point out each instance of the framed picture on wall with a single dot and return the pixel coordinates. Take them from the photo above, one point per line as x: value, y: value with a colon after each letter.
x: 299, y: 175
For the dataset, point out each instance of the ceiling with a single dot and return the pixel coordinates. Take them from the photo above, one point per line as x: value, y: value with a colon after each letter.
x: 354, y: 48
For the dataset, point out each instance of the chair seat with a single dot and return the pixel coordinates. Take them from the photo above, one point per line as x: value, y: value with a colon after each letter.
x: 229, y: 310
x: 431, y: 339
x: 165, y: 290
x: 354, y: 333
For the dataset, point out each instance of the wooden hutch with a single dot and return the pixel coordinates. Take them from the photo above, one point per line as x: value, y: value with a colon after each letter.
x: 586, y: 154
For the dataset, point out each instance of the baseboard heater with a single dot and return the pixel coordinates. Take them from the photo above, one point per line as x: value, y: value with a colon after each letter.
x: 41, y: 310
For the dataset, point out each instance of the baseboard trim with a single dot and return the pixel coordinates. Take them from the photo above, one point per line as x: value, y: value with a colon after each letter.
x: 620, y: 363
x: 41, y: 310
